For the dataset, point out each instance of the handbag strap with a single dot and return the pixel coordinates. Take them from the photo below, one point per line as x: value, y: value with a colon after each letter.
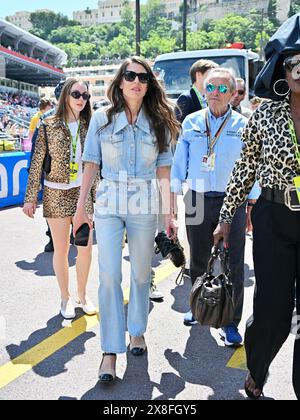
x: 213, y: 258
x: 219, y: 252
x: 46, y: 138
x: 224, y: 259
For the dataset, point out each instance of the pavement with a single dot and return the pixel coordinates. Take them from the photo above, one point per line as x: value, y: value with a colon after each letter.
x: 43, y: 357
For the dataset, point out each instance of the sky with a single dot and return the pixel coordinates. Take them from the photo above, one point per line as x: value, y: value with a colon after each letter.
x: 66, y: 7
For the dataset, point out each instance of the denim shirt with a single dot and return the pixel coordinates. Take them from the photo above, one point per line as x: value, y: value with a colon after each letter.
x: 193, y: 146
x: 123, y: 148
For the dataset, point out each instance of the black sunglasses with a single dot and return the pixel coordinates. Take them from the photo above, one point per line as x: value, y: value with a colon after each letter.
x: 130, y: 76
x: 77, y: 95
x: 290, y: 64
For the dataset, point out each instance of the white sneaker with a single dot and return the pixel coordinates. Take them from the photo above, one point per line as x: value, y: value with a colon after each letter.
x: 88, y: 307
x: 67, y: 309
x: 155, y: 294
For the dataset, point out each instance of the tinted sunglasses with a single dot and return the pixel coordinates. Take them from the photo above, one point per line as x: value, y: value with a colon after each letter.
x: 290, y: 64
x: 210, y: 88
x: 241, y: 92
x: 77, y: 95
x: 130, y: 76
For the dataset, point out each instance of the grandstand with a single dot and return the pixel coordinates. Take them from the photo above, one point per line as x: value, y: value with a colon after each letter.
x: 25, y: 58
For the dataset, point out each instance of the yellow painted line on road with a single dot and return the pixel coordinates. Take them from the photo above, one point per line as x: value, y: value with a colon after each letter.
x: 37, y: 354
x: 238, y: 360
x: 161, y: 274
x: 22, y: 364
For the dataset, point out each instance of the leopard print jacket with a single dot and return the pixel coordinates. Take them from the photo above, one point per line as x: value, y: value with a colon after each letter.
x: 268, y: 156
x: 59, y: 140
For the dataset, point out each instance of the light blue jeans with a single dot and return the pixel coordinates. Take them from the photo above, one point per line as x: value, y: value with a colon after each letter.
x: 110, y: 230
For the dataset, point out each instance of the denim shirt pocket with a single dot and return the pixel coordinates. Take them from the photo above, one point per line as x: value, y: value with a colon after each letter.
x: 149, y: 152
x: 112, y: 150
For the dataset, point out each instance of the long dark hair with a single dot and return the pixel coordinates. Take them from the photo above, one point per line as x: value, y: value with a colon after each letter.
x: 63, y: 107
x: 158, y: 109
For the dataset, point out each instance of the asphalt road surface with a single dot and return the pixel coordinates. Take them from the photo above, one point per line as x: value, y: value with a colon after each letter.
x: 44, y: 357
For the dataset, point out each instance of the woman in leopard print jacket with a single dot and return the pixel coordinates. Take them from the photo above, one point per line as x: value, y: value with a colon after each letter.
x: 66, y: 133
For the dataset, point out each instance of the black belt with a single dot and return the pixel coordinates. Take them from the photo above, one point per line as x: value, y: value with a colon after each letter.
x: 278, y: 196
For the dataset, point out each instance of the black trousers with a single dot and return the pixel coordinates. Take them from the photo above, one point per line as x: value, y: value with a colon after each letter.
x: 200, y: 226
x: 276, y: 253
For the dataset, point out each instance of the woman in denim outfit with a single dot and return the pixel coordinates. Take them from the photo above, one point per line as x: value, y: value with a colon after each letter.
x: 130, y: 141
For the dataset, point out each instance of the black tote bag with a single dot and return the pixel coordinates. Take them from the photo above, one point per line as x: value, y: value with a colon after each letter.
x: 211, y: 297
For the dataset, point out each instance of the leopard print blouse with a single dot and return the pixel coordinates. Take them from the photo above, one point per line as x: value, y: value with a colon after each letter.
x: 268, y: 156
x: 59, y: 140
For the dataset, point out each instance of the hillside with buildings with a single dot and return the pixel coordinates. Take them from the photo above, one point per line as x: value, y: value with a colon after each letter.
x: 105, y: 34
x: 110, y: 11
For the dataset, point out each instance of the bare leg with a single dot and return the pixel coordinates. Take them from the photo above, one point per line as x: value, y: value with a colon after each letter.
x: 60, y: 230
x: 83, y: 266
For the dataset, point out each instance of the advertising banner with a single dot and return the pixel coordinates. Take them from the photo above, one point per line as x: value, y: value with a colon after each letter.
x: 13, y: 178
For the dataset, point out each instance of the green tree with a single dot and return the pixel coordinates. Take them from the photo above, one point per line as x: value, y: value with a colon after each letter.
x: 295, y: 7
x: 127, y: 16
x: 73, y: 52
x: 120, y: 47
x: 272, y: 12
x: 151, y: 13
x: 202, y: 40
x: 235, y: 28
x: 45, y: 22
x: 75, y: 34
x: 87, y: 51
x: 156, y: 45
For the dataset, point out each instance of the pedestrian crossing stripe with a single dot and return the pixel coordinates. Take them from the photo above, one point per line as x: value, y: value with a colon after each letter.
x: 37, y: 354
x: 238, y: 360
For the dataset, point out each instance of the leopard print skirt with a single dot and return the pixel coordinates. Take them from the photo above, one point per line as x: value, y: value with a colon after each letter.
x: 58, y: 204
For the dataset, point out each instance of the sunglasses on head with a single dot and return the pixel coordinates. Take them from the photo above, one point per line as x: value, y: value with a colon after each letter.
x: 291, y: 63
x: 130, y: 76
x: 210, y: 88
x: 77, y: 95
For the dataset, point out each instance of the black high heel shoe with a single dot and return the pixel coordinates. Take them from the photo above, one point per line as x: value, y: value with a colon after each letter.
x: 109, y: 376
x: 139, y: 347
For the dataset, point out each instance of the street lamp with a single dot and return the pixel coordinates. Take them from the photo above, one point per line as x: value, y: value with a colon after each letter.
x: 138, y: 28
x: 184, y: 24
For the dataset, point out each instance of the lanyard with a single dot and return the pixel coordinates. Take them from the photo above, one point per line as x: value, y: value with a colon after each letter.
x: 199, y: 96
x: 211, y: 142
x: 294, y: 139
x: 74, y: 142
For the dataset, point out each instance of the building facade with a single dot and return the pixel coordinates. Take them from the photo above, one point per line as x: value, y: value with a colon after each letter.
x: 202, y: 10
x: 108, y: 11
x: 22, y: 19
x: 172, y: 8
x: 98, y: 77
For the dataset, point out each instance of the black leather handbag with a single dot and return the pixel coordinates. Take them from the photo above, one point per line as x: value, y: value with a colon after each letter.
x: 47, y: 159
x: 212, y: 297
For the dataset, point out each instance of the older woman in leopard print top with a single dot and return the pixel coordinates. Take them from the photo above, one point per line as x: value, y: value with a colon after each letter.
x: 271, y: 155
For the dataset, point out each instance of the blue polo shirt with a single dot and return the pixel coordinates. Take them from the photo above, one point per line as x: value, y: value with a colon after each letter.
x: 193, y: 146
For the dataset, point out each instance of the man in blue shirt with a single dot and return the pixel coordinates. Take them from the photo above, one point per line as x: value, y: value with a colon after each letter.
x: 205, y: 156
